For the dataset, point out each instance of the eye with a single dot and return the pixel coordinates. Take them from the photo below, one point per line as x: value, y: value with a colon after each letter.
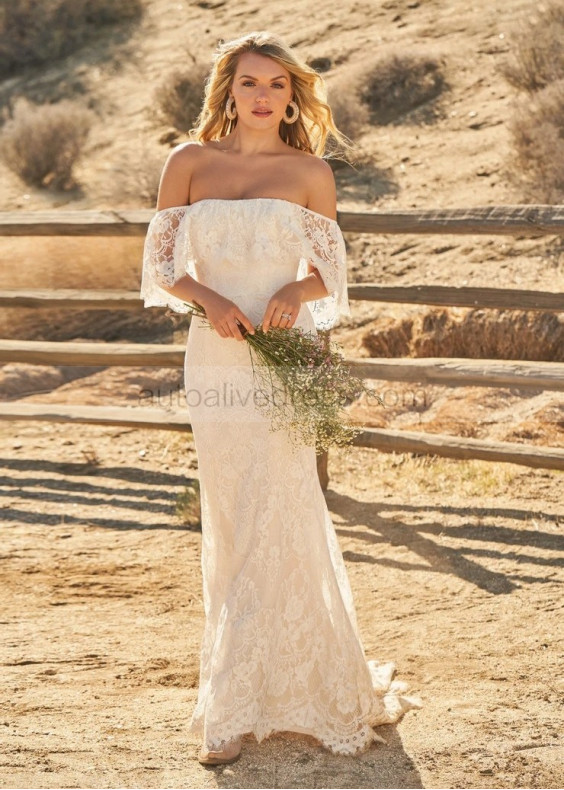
x: 278, y: 85
x: 248, y: 82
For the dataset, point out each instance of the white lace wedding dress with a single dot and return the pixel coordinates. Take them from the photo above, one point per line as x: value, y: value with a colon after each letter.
x: 281, y: 649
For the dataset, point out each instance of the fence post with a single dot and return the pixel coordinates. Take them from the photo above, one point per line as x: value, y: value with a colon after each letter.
x: 322, y: 472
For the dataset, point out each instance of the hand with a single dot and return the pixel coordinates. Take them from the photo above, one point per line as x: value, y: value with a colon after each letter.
x: 225, y: 316
x: 287, y: 301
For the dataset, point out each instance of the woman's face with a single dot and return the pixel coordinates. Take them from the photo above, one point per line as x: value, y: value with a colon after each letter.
x: 262, y: 89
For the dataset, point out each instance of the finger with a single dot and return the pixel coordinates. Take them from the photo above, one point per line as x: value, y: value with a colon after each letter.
x: 267, y: 319
x: 236, y: 331
x: 290, y: 322
x: 229, y: 328
x: 244, y: 321
x: 285, y: 320
x: 280, y: 316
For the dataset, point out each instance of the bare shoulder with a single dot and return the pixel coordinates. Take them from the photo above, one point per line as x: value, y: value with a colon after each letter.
x: 322, y: 191
x: 186, y: 154
x: 174, y: 187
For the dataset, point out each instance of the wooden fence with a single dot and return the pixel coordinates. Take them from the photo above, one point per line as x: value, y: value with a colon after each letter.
x: 505, y: 220
x: 497, y: 220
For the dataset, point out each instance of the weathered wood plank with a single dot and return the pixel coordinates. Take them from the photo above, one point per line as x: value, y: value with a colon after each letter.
x: 376, y: 438
x: 74, y: 223
x: 135, y: 417
x: 431, y: 370
x: 460, y: 447
x: 457, y: 371
x: 72, y: 298
x: 504, y: 298
x: 38, y: 352
x: 529, y: 220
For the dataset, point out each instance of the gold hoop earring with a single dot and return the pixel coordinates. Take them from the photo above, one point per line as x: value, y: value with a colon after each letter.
x: 230, y: 109
x: 295, y: 115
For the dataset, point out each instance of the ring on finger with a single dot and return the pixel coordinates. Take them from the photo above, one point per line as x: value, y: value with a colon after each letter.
x: 288, y: 316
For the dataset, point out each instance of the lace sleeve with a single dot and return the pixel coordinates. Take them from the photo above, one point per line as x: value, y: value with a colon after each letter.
x: 324, y: 248
x: 167, y: 256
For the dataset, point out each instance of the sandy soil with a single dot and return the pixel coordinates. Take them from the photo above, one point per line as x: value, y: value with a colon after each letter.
x: 457, y: 573
x: 456, y: 566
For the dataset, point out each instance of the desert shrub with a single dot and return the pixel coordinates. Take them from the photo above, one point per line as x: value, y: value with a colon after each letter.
x: 109, y: 12
x: 538, y: 135
x: 536, y: 66
x: 144, y: 180
x: 188, y: 505
x: 42, y: 143
x: 36, y: 31
x: 321, y: 64
x: 180, y: 97
x: 137, y: 176
x: 349, y: 113
x: 398, y: 84
x: 537, y: 50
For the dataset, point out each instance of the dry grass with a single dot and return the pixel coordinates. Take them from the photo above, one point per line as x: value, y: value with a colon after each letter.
x: 538, y: 135
x: 179, y: 98
x: 537, y: 57
x: 188, y: 505
x: 36, y: 31
x: 41, y: 144
x: 137, y: 177
x: 431, y: 473
x: 479, y: 334
x: 108, y: 12
x: 349, y: 113
x: 536, y: 66
x: 398, y: 84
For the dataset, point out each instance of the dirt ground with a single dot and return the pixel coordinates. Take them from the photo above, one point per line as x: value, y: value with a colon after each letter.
x: 457, y: 570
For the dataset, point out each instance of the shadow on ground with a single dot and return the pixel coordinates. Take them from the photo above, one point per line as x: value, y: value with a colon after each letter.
x: 367, y: 522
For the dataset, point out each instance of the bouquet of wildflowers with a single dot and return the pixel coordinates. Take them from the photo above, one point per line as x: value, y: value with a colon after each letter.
x: 305, y: 384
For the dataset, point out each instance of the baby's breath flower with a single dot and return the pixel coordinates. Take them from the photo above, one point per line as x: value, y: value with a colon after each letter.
x: 305, y: 384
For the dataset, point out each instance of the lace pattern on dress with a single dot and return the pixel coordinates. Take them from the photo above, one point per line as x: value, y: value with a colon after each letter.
x: 281, y: 649
x: 167, y: 256
x: 324, y: 248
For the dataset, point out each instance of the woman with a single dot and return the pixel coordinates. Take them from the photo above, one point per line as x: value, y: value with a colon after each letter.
x: 246, y: 227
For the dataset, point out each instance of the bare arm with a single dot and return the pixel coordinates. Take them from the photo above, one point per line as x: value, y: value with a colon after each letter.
x: 174, y: 188
x: 289, y: 298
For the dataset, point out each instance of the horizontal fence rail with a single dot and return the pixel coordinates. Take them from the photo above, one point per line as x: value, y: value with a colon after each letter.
x: 459, y: 371
x: 447, y: 296
x: 528, y: 220
x: 132, y: 416
x: 385, y: 440
x: 72, y: 298
x: 452, y: 296
x: 455, y: 371
x: 517, y: 220
x: 53, y: 352
x: 460, y: 448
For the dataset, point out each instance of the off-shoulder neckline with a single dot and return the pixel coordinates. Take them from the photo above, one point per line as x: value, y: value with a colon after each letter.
x: 246, y: 200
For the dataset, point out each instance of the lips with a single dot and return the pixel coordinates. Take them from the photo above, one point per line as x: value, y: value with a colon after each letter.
x: 262, y: 113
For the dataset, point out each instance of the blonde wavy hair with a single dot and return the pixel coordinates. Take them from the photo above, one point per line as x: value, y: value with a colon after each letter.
x: 314, y: 131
